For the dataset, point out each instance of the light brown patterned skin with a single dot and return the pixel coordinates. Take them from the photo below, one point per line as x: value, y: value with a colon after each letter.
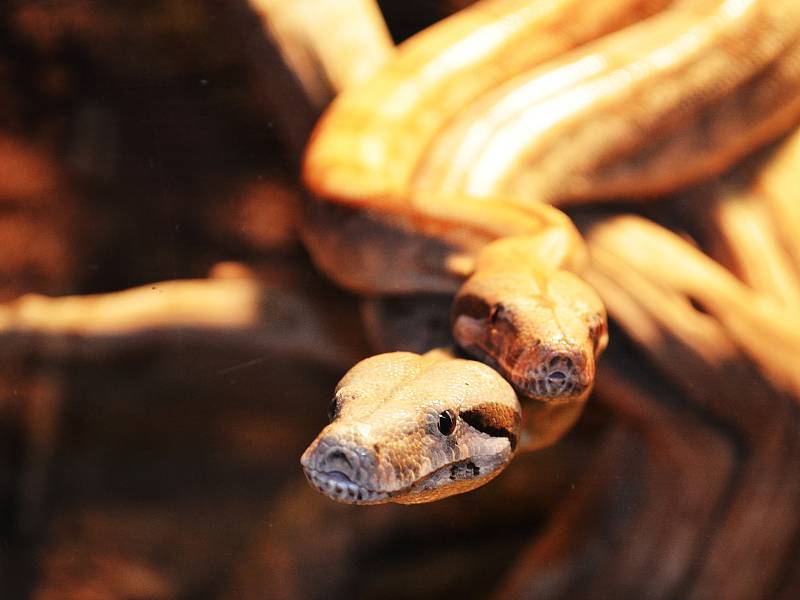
x: 433, y: 187
x: 526, y: 313
x: 384, y: 442
x: 679, y: 97
x: 383, y: 127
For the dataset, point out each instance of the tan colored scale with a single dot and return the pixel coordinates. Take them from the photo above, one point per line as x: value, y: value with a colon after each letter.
x: 435, y: 176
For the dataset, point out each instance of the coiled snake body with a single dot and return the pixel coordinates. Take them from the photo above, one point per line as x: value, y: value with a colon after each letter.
x: 437, y: 175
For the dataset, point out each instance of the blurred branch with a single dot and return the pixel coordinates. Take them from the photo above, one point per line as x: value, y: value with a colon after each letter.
x: 233, y: 311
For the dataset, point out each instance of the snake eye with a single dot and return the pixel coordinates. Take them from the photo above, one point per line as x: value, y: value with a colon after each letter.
x: 333, y: 408
x: 447, y: 422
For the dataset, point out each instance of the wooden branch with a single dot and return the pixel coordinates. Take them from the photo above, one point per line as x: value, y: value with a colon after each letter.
x: 778, y: 184
x: 745, y: 227
x: 231, y: 311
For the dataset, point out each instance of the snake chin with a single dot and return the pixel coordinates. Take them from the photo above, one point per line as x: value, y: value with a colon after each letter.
x: 454, y: 478
x: 339, y: 487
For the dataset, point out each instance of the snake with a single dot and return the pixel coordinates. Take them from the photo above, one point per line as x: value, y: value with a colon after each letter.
x: 446, y: 172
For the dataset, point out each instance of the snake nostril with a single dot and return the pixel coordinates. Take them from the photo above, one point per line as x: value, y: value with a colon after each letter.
x: 563, y: 362
x: 335, y: 457
x: 562, y: 359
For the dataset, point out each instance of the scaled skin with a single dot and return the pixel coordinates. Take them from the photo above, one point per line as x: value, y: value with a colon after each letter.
x: 456, y: 144
x: 384, y: 443
x: 527, y: 314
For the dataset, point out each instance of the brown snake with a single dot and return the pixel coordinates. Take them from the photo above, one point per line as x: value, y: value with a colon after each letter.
x: 436, y: 176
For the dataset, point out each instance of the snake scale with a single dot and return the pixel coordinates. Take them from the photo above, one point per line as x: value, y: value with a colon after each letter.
x: 442, y: 173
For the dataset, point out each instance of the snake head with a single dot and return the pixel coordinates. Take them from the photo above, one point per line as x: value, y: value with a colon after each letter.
x: 544, y: 337
x: 412, y: 428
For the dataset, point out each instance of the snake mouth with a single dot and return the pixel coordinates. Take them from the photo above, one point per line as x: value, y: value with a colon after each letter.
x: 338, y: 486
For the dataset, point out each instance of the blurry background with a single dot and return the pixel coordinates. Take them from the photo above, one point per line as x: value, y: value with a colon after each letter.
x: 167, y: 349
x: 140, y: 142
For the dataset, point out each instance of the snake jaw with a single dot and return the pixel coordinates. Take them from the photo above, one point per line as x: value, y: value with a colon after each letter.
x: 458, y: 477
x: 419, y: 469
x: 450, y: 478
x: 338, y: 486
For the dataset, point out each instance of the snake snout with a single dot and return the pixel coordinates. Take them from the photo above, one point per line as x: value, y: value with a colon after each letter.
x: 341, y: 471
x: 559, y: 374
